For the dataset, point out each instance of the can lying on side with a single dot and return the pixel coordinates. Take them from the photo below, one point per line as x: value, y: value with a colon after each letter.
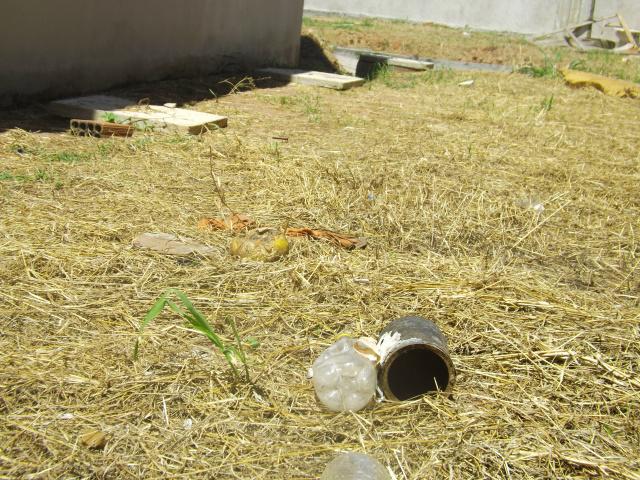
x: 414, y: 359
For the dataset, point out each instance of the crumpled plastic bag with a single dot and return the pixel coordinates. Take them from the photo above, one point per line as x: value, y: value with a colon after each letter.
x: 263, y: 244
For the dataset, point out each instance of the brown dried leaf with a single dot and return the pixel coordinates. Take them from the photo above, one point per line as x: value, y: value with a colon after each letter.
x: 235, y: 221
x: 341, y: 239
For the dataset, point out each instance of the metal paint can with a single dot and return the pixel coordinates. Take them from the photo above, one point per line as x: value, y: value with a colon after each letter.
x: 414, y: 359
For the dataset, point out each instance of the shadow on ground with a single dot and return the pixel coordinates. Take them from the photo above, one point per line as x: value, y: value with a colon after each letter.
x: 184, y: 92
x: 315, y: 56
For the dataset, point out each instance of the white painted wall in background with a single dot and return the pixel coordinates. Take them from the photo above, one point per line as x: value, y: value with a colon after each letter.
x: 520, y: 16
x: 630, y: 10
x: 63, y: 47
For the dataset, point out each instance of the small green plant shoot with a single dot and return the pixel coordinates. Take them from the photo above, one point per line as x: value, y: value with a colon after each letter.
x: 547, y: 103
x: 547, y: 70
x: 110, y: 117
x: 196, y: 320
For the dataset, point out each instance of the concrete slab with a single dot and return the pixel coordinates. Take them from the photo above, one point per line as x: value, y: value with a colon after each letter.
x: 357, y: 61
x: 174, y: 120
x: 402, y: 62
x: 347, y: 58
x: 87, y: 108
x: 320, y: 79
x: 171, y: 244
x: 410, y: 63
x: 471, y: 66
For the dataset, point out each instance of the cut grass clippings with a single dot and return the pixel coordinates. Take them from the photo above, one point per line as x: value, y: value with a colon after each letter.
x: 539, y: 305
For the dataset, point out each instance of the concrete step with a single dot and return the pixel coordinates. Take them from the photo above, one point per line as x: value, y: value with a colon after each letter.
x: 320, y: 79
x: 399, y: 62
x: 174, y: 120
x: 360, y: 61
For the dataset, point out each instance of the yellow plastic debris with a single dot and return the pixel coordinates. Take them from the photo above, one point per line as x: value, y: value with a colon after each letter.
x: 610, y: 86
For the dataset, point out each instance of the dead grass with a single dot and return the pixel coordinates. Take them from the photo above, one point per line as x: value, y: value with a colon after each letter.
x: 541, y: 310
x: 428, y: 40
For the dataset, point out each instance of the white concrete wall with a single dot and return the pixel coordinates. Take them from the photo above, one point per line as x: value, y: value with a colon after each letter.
x: 64, y: 47
x: 630, y: 11
x: 520, y: 16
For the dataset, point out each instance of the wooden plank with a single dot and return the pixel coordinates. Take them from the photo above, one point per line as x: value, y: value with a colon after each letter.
x: 575, y: 41
x: 320, y: 79
x: 174, y: 120
x: 574, y: 27
x: 626, y: 30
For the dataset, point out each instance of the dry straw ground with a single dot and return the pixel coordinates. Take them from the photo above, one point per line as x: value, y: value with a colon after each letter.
x: 540, y: 309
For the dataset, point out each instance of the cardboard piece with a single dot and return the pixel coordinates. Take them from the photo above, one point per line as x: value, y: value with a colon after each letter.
x: 171, y: 244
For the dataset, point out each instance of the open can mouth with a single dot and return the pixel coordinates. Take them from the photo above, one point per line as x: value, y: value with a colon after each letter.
x: 415, y: 359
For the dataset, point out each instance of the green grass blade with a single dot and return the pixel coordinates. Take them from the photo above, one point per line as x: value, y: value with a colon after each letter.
x: 240, y: 354
x: 175, y: 308
x: 199, y: 322
x: 196, y: 320
x: 197, y: 316
x: 151, y: 314
x: 227, y: 354
x: 235, y: 334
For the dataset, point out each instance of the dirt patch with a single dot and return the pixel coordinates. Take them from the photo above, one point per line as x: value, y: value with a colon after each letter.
x: 424, y: 40
x: 428, y: 40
